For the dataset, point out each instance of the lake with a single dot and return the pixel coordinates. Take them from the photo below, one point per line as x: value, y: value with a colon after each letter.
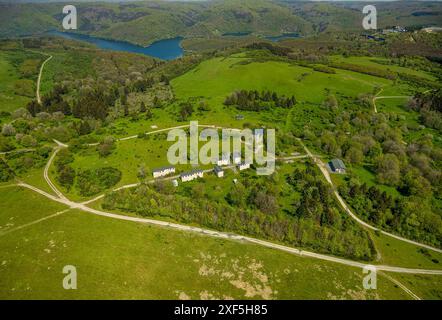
x: 167, y: 49
x: 283, y: 36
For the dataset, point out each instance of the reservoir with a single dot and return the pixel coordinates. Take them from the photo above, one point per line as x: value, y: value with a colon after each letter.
x: 167, y: 49
x: 284, y: 36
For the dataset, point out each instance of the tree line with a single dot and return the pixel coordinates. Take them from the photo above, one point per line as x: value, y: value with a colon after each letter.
x: 254, y: 207
x: 253, y: 100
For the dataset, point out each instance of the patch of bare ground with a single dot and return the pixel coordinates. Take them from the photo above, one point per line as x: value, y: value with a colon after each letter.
x: 246, y: 274
x: 358, y: 293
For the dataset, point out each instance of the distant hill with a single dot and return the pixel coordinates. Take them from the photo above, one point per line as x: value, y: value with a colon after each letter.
x: 146, y: 21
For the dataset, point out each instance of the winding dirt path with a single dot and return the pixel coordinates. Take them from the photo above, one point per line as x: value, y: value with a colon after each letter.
x: 315, y: 158
x: 387, y: 97
x: 39, y: 79
x: 225, y: 235
x: 327, y: 176
x: 60, y: 198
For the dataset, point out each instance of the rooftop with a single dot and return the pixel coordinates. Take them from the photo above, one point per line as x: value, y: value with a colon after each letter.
x: 337, y: 164
x: 191, y: 173
x: 163, y: 168
x: 217, y: 169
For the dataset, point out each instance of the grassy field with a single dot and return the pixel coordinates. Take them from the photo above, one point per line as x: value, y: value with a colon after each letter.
x: 382, y: 63
x: 128, y: 260
x: 408, y: 118
x: 426, y: 287
x: 128, y: 157
x: 14, y: 211
x: 66, y: 66
x: 216, y: 78
x: 9, y: 77
x: 365, y: 175
x: 396, y: 252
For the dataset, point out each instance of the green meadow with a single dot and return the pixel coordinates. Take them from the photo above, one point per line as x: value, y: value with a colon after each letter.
x: 12, y: 86
x: 424, y: 286
x: 216, y: 78
x: 383, y: 63
x: 400, y: 253
x: 129, y: 260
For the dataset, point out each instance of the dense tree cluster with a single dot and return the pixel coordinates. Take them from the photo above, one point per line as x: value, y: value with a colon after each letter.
x: 409, y: 169
x: 65, y: 172
x: 92, y: 182
x: 410, y: 217
x: 254, y: 100
x: 373, y: 71
x: 52, y: 102
x: 186, y: 110
x: 254, y: 207
x: 429, y: 105
x: 274, y: 49
x: 6, y: 173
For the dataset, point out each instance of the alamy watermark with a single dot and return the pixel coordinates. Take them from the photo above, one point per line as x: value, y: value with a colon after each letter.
x: 370, y: 21
x: 70, y: 20
x: 369, y: 282
x: 70, y: 280
x: 247, y: 146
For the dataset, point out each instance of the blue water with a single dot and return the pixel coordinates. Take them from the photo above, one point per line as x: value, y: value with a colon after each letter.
x: 167, y: 49
x: 237, y: 34
x: 283, y: 37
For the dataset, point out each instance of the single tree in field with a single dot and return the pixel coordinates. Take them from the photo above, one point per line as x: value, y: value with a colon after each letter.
x: 331, y: 102
x: 388, y: 170
x: 8, y: 130
x: 156, y: 102
x: 354, y: 155
x: 142, y: 107
x: 126, y: 110
x: 149, y: 114
x: 106, y: 147
x: 141, y: 173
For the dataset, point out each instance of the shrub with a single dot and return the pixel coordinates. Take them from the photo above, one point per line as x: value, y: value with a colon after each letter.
x: 91, y: 182
x: 8, y: 130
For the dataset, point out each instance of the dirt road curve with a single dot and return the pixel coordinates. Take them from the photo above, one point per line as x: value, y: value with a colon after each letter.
x: 225, y: 235
x: 327, y: 176
x: 39, y: 79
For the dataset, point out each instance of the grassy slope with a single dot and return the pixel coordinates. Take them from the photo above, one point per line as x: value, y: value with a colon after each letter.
x: 128, y: 260
x: 372, y: 62
x: 9, y: 101
x: 216, y: 95
x: 216, y: 78
x: 14, y: 211
x: 426, y: 287
x: 145, y: 22
x: 395, y: 252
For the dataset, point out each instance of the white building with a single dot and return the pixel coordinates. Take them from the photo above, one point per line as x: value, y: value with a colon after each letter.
x: 236, y: 157
x: 175, y: 183
x: 243, y: 166
x: 191, y: 175
x: 224, y: 161
x: 337, y: 166
x: 161, y: 172
x: 218, y: 171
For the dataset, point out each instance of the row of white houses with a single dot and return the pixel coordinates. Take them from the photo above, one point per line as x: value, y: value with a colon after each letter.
x: 225, y: 159
x: 195, y: 174
x: 191, y: 175
x: 162, y: 172
x: 243, y: 166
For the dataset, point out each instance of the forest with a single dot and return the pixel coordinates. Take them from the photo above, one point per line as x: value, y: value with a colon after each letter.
x: 251, y: 208
x: 258, y: 101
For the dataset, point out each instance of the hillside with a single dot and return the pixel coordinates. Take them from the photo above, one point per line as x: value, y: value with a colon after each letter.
x: 144, y: 22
